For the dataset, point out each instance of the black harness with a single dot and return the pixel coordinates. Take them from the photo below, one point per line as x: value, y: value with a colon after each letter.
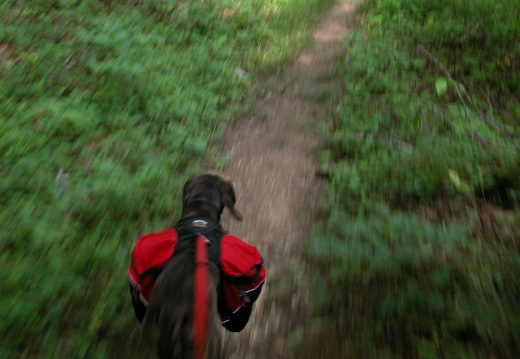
x: 189, y: 228
x: 187, y: 231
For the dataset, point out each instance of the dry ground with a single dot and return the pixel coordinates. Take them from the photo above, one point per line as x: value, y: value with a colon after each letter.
x: 273, y: 161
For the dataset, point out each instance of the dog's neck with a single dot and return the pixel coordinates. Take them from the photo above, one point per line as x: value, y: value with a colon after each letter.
x: 202, y: 209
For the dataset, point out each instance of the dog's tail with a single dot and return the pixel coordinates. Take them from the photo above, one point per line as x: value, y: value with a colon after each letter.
x: 170, y: 323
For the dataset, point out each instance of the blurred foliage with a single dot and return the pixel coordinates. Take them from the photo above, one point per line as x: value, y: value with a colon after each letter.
x: 107, y: 108
x: 419, y: 256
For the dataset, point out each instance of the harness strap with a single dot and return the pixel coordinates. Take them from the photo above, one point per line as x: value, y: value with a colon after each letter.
x: 201, y: 297
x: 187, y: 230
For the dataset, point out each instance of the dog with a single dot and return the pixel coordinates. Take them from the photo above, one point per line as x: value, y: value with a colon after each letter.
x: 182, y: 317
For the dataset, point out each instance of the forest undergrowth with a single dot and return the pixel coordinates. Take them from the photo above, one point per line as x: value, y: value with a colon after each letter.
x: 419, y: 248
x: 107, y: 107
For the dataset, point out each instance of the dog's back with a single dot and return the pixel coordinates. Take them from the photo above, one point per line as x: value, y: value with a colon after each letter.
x: 168, y: 323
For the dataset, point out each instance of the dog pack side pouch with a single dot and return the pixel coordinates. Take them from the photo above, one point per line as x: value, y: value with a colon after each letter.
x: 149, y: 257
x: 241, y: 263
x: 243, y: 273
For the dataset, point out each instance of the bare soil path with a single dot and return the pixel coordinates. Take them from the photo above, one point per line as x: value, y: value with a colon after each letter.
x: 273, y: 161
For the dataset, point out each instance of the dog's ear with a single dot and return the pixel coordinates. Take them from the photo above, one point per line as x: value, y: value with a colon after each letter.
x: 228, y: 198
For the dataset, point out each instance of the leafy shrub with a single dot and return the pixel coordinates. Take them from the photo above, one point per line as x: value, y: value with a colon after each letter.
x: 415, y: 287
x: 107, y: 108
x: 387, y: 119
x: 476, y: 38
x: 422, y: 157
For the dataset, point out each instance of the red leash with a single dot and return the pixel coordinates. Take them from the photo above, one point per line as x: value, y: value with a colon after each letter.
x: 201, y: 300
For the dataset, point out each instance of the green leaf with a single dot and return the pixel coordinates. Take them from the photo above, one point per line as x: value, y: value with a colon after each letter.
x: 441, y: 85
x: 459, y: 184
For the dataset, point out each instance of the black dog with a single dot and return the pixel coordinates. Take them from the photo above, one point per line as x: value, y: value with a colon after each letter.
x: 235, y: 275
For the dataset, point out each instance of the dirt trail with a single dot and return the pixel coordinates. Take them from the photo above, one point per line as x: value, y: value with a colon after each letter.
x: 272, y: 165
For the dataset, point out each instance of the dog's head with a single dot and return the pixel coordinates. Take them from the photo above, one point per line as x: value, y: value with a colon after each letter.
x: 208, y: 194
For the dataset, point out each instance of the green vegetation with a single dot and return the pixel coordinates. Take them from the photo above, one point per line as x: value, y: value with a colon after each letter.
x: 107, y: 107
x: 419, y: 253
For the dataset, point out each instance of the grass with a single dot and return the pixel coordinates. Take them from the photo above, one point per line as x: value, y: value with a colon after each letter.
x: 107, y: 108
x: 419, y: 250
